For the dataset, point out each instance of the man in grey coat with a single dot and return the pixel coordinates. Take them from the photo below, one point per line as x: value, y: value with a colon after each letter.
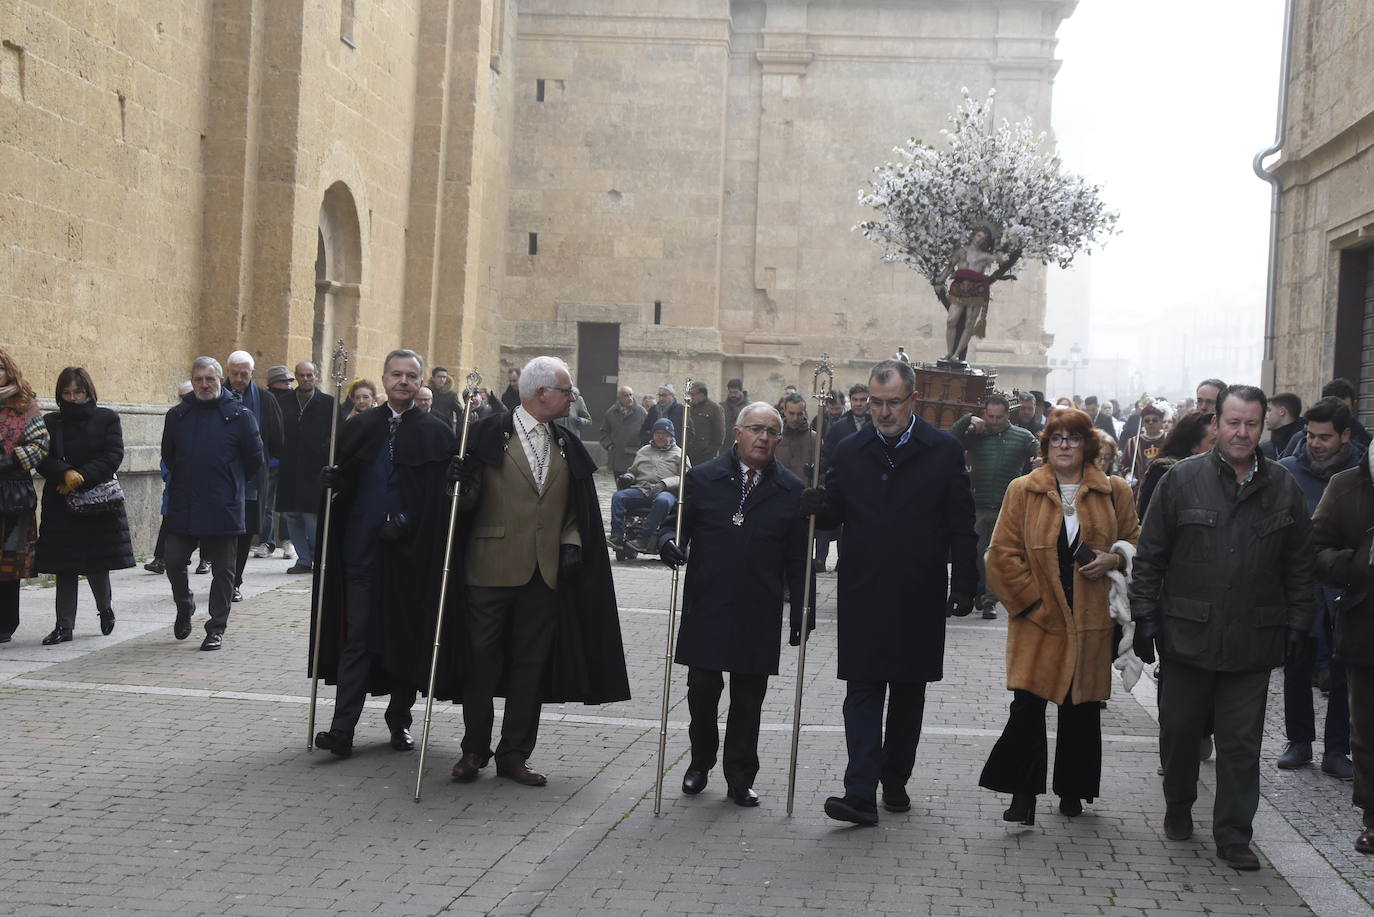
x: 620, y: 430
x: 1223, y: 582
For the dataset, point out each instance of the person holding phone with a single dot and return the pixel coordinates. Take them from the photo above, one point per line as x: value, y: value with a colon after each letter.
x: 1062, y: 529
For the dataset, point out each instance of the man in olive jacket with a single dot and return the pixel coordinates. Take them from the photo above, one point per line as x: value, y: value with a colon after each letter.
x: 1223, y: 581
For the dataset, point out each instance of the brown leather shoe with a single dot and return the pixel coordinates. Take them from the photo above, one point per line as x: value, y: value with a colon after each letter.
x: 1365, y: 842
x: 465, y: 771
x: 1238, y: 856
x: 521, y: 774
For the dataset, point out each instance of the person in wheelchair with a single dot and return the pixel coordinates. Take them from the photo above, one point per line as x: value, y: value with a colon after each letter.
x: 650, y: 485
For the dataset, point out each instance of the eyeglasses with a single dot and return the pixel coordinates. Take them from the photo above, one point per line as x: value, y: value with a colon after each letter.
x: 554, y: 388
x: 759, y: 429
x: 1059, y: 439
x: 891, y: 404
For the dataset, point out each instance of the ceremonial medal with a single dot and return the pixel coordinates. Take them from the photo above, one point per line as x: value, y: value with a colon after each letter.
x: 737, y: 518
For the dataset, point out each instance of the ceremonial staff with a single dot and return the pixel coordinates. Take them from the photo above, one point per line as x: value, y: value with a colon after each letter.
x: 474, y: 381
x: 823, y: 381
x: 338, y: 372
x: 672, y: 614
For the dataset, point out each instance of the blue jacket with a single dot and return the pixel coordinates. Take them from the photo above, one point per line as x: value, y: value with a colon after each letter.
x: 1312, y: 484
x: 211, y: 449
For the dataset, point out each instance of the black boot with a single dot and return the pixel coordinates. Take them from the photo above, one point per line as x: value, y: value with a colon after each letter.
x: 1022, y: 809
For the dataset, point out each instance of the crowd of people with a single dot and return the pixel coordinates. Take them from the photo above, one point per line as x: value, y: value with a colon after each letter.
x: 1175, y: 533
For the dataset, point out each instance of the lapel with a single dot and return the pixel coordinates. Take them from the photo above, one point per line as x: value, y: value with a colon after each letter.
x: 516, y: 450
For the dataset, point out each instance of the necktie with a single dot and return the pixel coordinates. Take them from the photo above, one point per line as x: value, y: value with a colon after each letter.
x: 392, y: 425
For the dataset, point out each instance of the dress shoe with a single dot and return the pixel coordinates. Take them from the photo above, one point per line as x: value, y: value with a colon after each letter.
x: 58, y: 635
x: 1070, y: 806
x: 1178, y: 822
x: 1338, y: 766
x: 693, y: 782
x: 465, y: 771
x: 1204, y: 748
x: 896, y: 800
x: 851, y: 810
x: 990, y: 612
x: 1322, y: 681
x: 237, y: 596
x: 1021, y: 811
x: 212, y: 642
x: 107, y: 621
x: 520, y: 773
x: 401, y: 740
x: 1297, y: 754
x: 156, y: 565
x: 203, y: 567
x: 743, y: 797
x: 1238, y: 856
x: 1365, y: 842
x: 181, y: 628
x: 6, y: 638
x: 338, y: 743
x: 299, y: 568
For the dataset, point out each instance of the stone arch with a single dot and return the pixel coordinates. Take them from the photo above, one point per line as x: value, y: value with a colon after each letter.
x: 338, y: 273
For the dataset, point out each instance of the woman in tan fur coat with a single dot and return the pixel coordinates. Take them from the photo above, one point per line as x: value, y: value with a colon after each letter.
x: 1058, y: 535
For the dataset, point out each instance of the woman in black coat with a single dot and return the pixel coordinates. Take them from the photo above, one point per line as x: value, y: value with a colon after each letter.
x: 87, y: 448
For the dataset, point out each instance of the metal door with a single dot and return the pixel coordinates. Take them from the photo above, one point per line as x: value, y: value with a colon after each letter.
x: 598, y: 369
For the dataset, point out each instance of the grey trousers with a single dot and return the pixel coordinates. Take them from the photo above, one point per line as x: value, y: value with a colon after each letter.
x: 984, y: 521
x: 1235, y: 702
x: 1359, y: 680
x: 67, y: 584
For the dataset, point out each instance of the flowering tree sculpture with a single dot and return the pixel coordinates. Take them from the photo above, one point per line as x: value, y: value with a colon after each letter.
x: 963, y: 216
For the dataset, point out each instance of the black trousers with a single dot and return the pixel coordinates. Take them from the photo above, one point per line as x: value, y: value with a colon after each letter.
x: 245, y: 541
x: 1299, y: 718
x: 67, y: 584
x: 1360, y: 681
x: 356, y: 661
x: 510, y: 633
x: 9, y: 606
x: 1019, y: 760
x: 704, y: 686
x: 219, y: 551
x: 874, y: 756
x: 159, y: 549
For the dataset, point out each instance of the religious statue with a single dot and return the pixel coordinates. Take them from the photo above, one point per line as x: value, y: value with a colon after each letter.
x: 967, y: 300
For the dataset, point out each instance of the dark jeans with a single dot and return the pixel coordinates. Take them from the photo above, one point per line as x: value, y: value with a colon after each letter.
x: 704, y: 687
x: 1299, y: 720
x: 9, y: 606
x: 356, y: 661
x: 67, y: 595
x: 873, y: 756
x: 219, y: 551
x: 510, y: 633
x: 1360, y: 679
x: 1019, y: 760
x: 1235, y: 701
x: 984, y: 521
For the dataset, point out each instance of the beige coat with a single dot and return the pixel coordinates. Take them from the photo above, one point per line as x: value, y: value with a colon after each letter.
x: 1052, y: 647
x: 653, y: 465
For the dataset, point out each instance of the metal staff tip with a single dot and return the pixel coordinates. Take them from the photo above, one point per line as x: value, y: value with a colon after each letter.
x: 338, y: 364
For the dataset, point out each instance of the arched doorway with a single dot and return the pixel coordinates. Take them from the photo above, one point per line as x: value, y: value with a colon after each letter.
x: 338, y: 274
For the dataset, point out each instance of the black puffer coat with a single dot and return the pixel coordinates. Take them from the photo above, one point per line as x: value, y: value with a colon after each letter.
x: 89, y: 439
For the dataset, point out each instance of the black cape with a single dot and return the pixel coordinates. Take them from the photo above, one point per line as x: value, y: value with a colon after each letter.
x: 587, y: 662
x: 407, y: 572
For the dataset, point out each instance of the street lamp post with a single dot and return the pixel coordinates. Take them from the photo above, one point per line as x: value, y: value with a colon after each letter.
x: 1076, y: 362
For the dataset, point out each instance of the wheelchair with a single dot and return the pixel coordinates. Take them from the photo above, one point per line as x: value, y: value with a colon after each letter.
x: 634, y: 523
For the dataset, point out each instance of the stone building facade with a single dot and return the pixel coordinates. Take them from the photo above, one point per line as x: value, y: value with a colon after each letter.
x: 1323, y: 323
x: 652, y: 191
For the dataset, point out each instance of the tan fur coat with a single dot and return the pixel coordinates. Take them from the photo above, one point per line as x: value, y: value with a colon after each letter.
x: 1052, y: 647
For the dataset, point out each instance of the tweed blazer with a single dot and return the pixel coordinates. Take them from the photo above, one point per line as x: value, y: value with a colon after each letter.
x: 515, y: 528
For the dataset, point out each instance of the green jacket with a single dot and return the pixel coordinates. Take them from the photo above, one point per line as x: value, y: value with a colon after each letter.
x: 996, y: 459
x: 1225, y: 574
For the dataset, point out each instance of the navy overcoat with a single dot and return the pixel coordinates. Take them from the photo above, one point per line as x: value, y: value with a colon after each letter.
x: 907, y: 513
x: 211, y: 449
x: 732, y: 601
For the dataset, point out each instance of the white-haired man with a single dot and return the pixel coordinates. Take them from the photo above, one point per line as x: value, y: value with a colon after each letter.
x: 267, y: 412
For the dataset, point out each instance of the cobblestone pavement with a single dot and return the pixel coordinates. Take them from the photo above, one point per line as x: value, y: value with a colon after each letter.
x: 142, y: 776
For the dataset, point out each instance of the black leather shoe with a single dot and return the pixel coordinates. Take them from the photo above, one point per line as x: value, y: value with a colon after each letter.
x: 203, y: 567
x: 401, y: 740
x: 1178, y: 822
x: 181, y: 628
x: 1365, y: 842
x: 212, y: 642
x: 1238, y: 856
x: 337, y: 743
x: 58, y: 635
x: 743, y: 797
x: 156, y: 565
x: 237, y: 596
x: 1070, y: 806
x: 6, y: 638
x: 693, y: 782
x: 896, y: 800
x: 851, y: 810
x: 107, y: 621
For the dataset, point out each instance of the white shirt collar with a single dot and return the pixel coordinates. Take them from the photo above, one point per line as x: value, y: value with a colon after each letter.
x: 529, y: 423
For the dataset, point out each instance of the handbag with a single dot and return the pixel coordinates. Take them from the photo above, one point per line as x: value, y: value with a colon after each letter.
x: 105, y: 497
x: 17, y: 496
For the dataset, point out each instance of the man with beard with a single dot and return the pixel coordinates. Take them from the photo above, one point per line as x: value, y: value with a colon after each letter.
x: 902, y: 494
x: 387, y: 527
x: 747, y: 541
x: 1328, y: 451
x: 798, y: 447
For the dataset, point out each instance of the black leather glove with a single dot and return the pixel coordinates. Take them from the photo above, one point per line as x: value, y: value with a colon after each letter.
x: 625, y: 480
x: 331, y: 477
x: 463, y: 472
x: 794, y: 630
x: 1299, y: 646
x: 959, y: 604
x: 814, y: 501
x: 1144, y: 641
x: 671, y: 554
x: 569, y: 561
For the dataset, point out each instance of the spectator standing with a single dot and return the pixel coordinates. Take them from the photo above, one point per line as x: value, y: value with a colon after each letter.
x: 87, y: 448
x: 24, y: 444
x: 306, y: 414
x: 267, y: 412
x: 511, y: 396
x: 735, y: 400
x: 212, y: 448
x: 444, y: 399
x: 424, y: 399
x: 1194, y: 434
x: 578, y: 417
x: 705, y: 426
x: 362, y: 396
x: 620, y: 431
x: 1208, y: 392
x: 851, y: 421
x: 1342, y: 389
x: 1283, y: 420
x: 278, y: 381
x: 667, y: 406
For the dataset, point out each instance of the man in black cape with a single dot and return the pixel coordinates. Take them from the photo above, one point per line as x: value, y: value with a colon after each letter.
x: 386, y: 539
x: 535, y: 618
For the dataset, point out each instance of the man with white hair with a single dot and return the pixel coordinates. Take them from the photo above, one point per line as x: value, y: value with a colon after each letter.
x: 534, y: 596
x: 307, y: 412
x: 267, y: 412
x: 667, y: 406
x: 211, y: 446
